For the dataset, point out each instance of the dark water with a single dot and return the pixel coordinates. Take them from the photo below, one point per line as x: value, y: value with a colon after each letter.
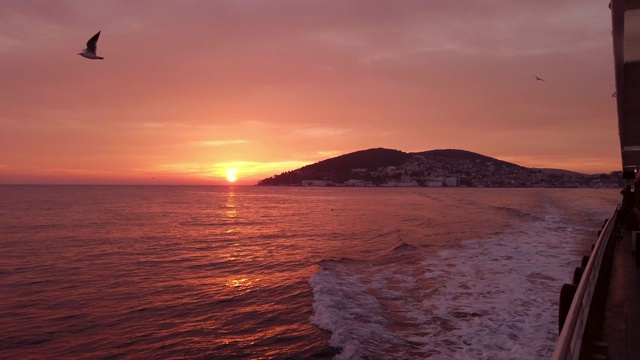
x: 297, y: 273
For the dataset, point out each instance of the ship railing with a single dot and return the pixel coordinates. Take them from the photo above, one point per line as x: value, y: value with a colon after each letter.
x: 584, y: 320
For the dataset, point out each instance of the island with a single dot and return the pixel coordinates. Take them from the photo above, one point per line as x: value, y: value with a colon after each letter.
x: 434, y: 168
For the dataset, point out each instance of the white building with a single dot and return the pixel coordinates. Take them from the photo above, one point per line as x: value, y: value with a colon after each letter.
x: 354, y: 182
x: 401, y: 183
x: 316, y: 183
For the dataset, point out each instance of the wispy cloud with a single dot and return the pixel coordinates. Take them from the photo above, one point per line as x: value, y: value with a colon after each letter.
x: 9, y: 44
x: 218, y: 142
x: 245, y: 169
x: 146, y: 125
x: 318, y: 131
x: 252, y: 167
x: 257, y: 124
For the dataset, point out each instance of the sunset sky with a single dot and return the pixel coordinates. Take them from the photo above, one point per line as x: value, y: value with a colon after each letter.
x: 190, y: 90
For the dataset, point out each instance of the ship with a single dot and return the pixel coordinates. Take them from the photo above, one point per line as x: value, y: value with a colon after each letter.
x: 599, y: 312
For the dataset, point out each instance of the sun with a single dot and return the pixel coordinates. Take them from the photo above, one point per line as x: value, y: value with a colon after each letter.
x: 231, y: 175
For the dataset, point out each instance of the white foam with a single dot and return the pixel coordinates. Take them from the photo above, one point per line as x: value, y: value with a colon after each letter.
x: 493, y: 298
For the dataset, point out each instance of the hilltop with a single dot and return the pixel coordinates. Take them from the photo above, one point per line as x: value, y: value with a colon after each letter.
x: 433, y: 168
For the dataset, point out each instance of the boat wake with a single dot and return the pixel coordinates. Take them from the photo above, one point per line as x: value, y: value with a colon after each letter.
x: 494, y: 298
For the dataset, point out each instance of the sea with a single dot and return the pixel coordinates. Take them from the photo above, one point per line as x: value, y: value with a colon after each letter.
x: 247, y: 272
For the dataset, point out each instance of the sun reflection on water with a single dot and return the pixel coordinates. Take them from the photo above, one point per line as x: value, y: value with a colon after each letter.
x: 231, y: 205
x: 241, y: 283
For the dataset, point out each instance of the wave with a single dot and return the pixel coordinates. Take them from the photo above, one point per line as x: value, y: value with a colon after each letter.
x: 220, y: 223
x: 403, y: 246
x: 519, y: 214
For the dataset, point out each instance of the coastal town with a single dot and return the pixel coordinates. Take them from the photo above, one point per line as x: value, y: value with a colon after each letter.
x: 440, y: 168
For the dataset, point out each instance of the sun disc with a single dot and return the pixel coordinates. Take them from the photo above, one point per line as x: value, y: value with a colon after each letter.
x: 231, y: 175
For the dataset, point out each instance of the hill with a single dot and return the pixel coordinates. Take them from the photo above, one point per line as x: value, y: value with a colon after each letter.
x: 365, y: 159
x: 454, y: 154
x: 442, y: 167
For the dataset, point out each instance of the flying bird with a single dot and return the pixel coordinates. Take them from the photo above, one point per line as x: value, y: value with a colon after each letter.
x: 92, y: 45
x: 538, y: 78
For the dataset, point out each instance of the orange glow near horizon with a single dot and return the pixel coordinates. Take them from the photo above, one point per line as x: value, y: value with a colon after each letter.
x: 352, y: 78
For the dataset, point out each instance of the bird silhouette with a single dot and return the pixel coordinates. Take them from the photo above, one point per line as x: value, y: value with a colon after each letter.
x: 538, y: 78
x: 92, y: 45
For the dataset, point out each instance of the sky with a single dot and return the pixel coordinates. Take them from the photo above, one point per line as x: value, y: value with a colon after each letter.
x: 191, y: 91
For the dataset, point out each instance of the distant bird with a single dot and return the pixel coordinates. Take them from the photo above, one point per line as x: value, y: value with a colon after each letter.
x: 538, y: 78
x: 90, y: 51
x: 614, y: 94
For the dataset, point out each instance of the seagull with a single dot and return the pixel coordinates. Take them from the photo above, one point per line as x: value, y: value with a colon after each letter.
x: 538, y: 78
x: 90, y: 51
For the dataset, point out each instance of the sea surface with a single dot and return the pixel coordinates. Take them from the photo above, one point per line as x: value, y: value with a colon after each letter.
x: 141, y: 272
